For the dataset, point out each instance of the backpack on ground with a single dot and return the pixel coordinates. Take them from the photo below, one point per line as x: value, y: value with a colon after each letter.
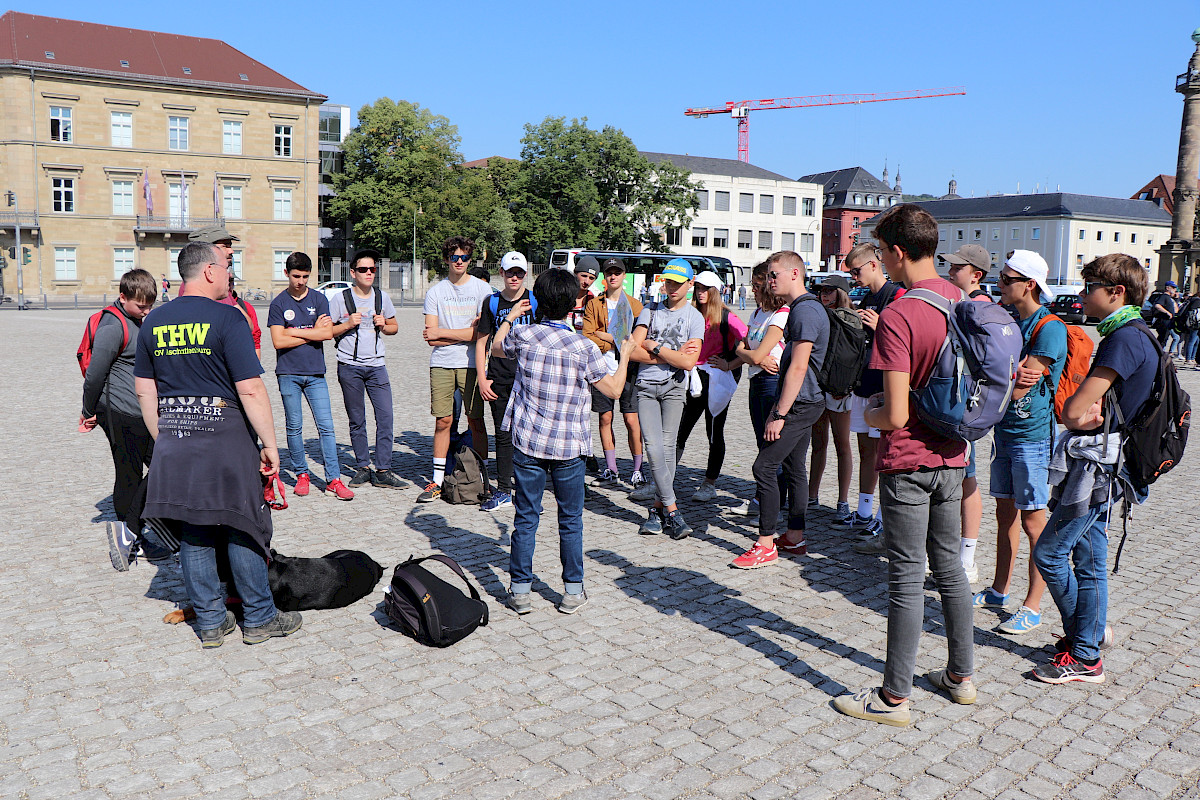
x: 348, y: 299
x: 468, y: 482
x: 973, y: 378
x: 84, y: 352
x: 846, y: 354
x: 428, y: 609
x: 1079, y: 361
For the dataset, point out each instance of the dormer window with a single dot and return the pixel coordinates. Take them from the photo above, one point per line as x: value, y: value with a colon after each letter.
x: 124, y: 63
x: 187, y: 70
x: 50, y: 54
x: 243, y: 76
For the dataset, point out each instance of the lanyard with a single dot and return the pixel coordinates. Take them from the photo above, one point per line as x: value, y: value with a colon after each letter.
x: 559, y: 325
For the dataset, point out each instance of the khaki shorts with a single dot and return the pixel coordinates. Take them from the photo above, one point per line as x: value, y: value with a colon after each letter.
x: 443, y: 382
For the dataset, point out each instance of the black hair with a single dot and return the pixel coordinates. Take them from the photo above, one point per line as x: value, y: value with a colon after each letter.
x: 555, y: 291
x: 481, y: 273
x: 299, y: 262
x: 374, y: 255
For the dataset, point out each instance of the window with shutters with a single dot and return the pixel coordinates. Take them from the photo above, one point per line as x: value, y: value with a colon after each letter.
x: 764, y: 240
x: 787, y: 241
x: 745, y: 240
x: 789, y: 205
x: 746, y: 203
x: 720, y: 237
x: 699, y: 237
x: 807, y: 242
x: 766, y: 204
x: 722, y: 201
x: 702, y: 199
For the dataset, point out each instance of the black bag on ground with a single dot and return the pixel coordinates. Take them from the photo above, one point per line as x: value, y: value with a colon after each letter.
x: 430, y: 610
x: 468, y: 482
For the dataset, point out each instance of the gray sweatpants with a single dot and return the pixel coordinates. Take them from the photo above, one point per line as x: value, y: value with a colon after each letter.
x: 660, y: 406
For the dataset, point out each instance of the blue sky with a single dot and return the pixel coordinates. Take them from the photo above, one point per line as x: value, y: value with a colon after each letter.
x: 1076, y: 94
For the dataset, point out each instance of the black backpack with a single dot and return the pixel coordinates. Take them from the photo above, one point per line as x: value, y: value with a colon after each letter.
x: 1188, y: 318
x: 348, y: 299
x: 428, y: 609
x: 846, y: 355
x: 468, y: 482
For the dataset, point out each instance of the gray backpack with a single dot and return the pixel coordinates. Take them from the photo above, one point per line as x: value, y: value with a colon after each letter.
x: 468, y: 483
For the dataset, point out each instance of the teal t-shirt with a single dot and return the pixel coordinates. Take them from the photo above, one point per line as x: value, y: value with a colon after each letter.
x: 1031, y: 419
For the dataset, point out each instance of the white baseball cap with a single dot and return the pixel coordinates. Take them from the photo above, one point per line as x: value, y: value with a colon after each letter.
x: 709, y: 278
x: 513, y: 260
x: 1032, y: 266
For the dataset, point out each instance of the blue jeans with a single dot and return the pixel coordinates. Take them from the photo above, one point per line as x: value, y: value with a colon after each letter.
x: 763, y: 388
x: 1190, y: 341
x: 198, y: 557
x: 358, y: 383
x: 1081, y: 593
x: 529, y: 481
x: 314, y: 389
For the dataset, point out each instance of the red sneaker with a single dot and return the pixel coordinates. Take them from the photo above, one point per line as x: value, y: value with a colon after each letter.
x: 800, y: 548
x: 755, y: 557
x: 302, y: 485
x: 338, y: 490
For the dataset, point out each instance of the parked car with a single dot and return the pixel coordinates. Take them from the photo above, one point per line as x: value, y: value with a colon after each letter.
x: 333, y: 288
x: 1068, y: 307
x: 858, y: 293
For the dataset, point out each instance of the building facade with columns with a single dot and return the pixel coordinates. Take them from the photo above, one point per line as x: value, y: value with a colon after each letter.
x: 118, y: 142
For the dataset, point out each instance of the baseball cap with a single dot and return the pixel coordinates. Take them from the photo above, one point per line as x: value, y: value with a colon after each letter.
x: 587, y: 264
x: 837, y: 282
x: 1032, y: 266
x: 212, y: 234
x: 709, y: 278
x: 513, y: 260
x: 972, y: 254
x: 613, y: 265
x: 1171, y: 284
x: 679, y: 270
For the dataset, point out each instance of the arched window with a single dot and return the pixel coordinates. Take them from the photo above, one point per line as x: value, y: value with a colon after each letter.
x: 858, y: 199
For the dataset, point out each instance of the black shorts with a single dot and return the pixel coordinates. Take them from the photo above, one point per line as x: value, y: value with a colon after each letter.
x: 602, y: 404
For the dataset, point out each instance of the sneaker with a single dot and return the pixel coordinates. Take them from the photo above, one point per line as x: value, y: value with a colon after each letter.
x: 679, y: 529
x: 387, y: 479
x: 338, y: 489
x: 644, y: 492
x: 154, y: 553
x: 120, y: 545
x: 843, y: 515
x: 989, y: 598
x: 497, y: 500
x: 637, y: 479
x: 215, y: 637
x: 432, y: 492
x: 705, y: 493
x: 607, y: 478
x: 361, y: 476
x: 1064, y: 668
x: 653, y: 523
x: 518, y: 602
x: 972, y: 573
x: 960, y: 691
x: 873, y: 528
x: 303, y: 484
x: 1064, y: 644
x: 285, y: 624
x: 746, y: 508
x: 867, y: 704
x: 572, y: 602
x: 1025, y: 620
x: 757, y: 556
x: 855, y: 522
x: 800, y: 548
x: 871, y: 546
x: 591, y: 465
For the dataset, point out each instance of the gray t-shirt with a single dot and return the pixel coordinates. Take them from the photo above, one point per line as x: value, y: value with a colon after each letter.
x: 671, y: 329
x: 808, y: 321
x: 369, y: 341
x: 456, y: 307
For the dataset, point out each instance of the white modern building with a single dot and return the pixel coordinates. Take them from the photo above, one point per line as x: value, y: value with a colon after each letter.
x: 746, y: 212
x: 1068, y: 230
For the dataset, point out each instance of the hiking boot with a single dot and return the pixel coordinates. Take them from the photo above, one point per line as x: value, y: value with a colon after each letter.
x: 1065, y: 668
x: 303, y: 484
x: 1064, y: 644
x: 496, y: 501
x: 867, y: 704
x: 960, y: 691
x: 989, y: 598
x: 705, y: 493
x: 843, y: 515
x: 432, y: 492
x: 799, y: 548
x: 608, y: 478
x: 653, y: 523
x: 215, y: 637
x: 519, y: 602
x: 120, y: 545
x: 1025, y: 620
x: 285, y: 624
x: 361, y: 476
x: 676, y: 526
x: 338, y: 489
x: 757, y: 556
x: 573, y: 602
x: 870, y: 546
x: 386, y: 479
x: 644, y: 492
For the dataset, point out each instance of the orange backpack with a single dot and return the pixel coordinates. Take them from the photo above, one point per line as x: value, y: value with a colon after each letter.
x: 1079, y: 361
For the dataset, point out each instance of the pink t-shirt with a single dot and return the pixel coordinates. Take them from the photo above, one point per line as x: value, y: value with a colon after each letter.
x: 713, y: 346
x: 909, y: 335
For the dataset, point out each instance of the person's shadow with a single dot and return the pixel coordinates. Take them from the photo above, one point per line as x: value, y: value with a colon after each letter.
x: 705, y: 602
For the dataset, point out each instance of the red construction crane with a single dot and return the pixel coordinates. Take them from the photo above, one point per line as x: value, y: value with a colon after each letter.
x: 740, y: 109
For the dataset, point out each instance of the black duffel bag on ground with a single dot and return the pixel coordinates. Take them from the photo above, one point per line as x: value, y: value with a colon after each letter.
x: 430, y: 610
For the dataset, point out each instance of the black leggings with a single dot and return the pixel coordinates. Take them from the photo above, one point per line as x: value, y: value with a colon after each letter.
x: 714, y: 427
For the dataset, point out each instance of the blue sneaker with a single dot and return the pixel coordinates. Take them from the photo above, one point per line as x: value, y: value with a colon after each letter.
x: 843, y: 515
x: 855, y: 522
x: 989, y: 598
x: 1025, y: 620
x: 497, y: 500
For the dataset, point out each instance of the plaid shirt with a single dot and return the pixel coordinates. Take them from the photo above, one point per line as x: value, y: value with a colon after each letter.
x: 549, y: 411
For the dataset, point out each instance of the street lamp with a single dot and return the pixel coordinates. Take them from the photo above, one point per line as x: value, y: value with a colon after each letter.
x: 413, y: 271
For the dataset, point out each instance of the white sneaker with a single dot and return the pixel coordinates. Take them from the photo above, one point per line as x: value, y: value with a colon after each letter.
x: 705, y: 493
x: 972, y: 573
x: 746, y: 508
x: 644, y: 492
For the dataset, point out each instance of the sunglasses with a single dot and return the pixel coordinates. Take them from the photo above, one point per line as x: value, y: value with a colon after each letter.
x: 458, y: 259
x: 365, y: 269
x: 826, y: 289
x: 1009, y: 280
x: 1088, y: 288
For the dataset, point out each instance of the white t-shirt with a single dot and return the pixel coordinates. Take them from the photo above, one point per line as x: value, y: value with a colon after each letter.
x: 456, y: 307
x: 369, y: 342
x: 760, y: 320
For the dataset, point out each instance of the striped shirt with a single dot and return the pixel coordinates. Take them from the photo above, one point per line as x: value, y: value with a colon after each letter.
x: 549, y: 413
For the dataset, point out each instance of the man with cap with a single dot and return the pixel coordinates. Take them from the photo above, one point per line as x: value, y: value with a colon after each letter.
x: 668, y: 335
x: 496, y: 374
x: 586, y: 270
x: 1023, y: 439
x: 968, y: 266
x: 223, y: 240
x: 1166, y: 306
x: 607, y: 321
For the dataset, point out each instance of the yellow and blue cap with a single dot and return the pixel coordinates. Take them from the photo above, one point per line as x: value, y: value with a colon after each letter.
x: 678, y: 269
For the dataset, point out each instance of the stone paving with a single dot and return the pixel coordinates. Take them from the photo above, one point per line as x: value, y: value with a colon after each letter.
x: 682, y: 678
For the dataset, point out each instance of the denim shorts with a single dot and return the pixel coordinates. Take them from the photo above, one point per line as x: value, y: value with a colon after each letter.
x: 970, y: 460
x: 1021, y: 472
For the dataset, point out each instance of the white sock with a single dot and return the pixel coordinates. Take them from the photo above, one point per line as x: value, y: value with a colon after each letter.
x: 966, y: 552
x: 865, y: 503
x: 439, y: 470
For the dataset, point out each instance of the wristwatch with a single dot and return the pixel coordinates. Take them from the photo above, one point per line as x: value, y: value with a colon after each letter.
x: 776, y: 415
x: 656, y: 350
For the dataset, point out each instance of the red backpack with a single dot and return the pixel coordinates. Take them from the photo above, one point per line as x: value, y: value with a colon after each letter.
x: 84, y: 353
x: 1079, y: 361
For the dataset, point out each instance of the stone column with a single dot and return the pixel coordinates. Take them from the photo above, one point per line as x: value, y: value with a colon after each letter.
x: 1173, y: 256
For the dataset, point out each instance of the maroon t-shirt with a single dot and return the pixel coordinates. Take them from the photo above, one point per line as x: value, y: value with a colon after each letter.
x: 909, y: 335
